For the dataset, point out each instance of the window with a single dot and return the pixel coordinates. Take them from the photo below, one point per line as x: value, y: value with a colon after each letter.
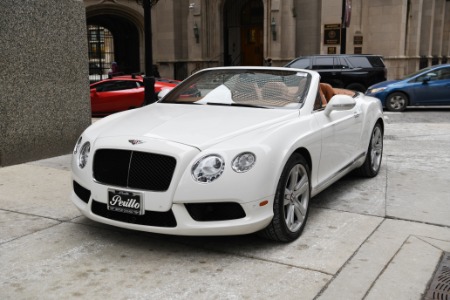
x: 323, y: 63
x: 359, y: 62
x: 440, y: 74
x: 376, y: 61
x: 100, y: 50
x: 340, y: 63
x: 302, y: 63
x: 116, y: 85
x: 443, y: 74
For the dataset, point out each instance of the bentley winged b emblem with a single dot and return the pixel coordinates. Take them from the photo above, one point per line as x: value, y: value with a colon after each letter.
x: 135, y: 142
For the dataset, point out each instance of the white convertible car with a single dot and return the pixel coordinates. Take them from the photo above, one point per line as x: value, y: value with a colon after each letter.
x: 229, y: 151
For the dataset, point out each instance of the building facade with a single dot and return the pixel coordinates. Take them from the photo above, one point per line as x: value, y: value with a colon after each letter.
x: 189, y: 35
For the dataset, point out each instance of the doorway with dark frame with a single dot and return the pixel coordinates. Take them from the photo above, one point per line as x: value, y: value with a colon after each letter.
x: 112, y: 38
x: 244, y: 33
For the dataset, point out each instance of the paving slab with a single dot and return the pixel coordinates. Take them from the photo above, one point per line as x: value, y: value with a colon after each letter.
x: 355, y: 280
x: 93, y: 263
x: 37, y: 190
x: 357, y: 195
x: 62, y: 162
x: 418, y: 172
x: 417, y: 139
x: 330, y: 238
x: 419, y: 192
x: 14, y: 225
x: 407, y: 275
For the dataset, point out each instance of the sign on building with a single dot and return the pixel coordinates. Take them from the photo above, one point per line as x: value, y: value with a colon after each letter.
x: 332, y: 34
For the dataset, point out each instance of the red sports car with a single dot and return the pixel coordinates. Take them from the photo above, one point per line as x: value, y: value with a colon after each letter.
x: 122, y: 93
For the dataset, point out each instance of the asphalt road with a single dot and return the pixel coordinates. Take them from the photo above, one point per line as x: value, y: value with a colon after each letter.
x: 377, y: 238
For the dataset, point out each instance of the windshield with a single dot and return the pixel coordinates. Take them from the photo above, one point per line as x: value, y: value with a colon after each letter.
x: 268, y: 88
x: 418, y: 72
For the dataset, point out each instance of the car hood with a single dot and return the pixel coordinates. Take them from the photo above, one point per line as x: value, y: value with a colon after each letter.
x: 199, y: 126
x: 384, y: 84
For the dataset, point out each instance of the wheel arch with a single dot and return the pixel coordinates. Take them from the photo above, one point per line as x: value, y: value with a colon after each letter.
x: 408, y: 96
x: 373, y: 115
x: 358, y: 84
x: 381, y: 122
x: 306, y: 155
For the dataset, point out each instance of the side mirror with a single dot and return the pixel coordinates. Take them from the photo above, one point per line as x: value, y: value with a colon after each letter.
x: 339, y: 103
x: 163, y: 93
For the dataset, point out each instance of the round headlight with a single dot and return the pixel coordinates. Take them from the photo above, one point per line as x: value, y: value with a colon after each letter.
x: 208, y: 168
x: 77, y: 145
x: 84, y: 155
x: 243, y: 162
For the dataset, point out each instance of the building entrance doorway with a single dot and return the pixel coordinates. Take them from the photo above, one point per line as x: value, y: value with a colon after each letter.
x: 244, y: 33
x: 112, y: 38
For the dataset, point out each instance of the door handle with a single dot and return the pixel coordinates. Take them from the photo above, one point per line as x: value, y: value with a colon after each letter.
x: 356, y: 114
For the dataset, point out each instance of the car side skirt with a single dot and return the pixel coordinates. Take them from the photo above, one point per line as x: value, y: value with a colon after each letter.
x: 358, y: 161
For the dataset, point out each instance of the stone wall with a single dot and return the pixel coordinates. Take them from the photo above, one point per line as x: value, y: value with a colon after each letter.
x: 44, y: 84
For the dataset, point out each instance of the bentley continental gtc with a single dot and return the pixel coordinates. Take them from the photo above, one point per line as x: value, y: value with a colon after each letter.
x: 244, y: 154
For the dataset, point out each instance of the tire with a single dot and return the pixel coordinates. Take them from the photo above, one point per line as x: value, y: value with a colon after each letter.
x: 356, y: 87
x: 291, y: 204
x: 396, y: 102
x: 374, y: 154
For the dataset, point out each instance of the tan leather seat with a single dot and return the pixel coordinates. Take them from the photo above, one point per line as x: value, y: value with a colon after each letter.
x: 344, y: 92
x: 327, y: 91
x: 322, y: 98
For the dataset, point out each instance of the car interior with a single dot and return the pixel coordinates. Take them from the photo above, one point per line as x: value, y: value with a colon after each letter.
x: 327, y: 92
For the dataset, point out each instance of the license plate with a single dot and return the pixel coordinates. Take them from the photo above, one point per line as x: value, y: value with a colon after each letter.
x: 125, y: 202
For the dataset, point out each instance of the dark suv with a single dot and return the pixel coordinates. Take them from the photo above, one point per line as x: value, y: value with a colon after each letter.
x: 351, y: 71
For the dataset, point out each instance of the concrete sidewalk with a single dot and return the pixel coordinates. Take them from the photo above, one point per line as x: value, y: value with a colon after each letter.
x: 378, y: 238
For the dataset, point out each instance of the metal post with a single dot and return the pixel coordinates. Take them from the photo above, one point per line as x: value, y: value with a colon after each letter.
x: 343, y: 29
x: 149, y: 79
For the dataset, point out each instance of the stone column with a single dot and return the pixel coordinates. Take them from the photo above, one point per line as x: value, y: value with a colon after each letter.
x: 44, y: 79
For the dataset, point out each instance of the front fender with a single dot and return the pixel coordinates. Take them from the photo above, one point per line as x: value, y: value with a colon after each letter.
x: 272, y: 146
x: 373, y: 113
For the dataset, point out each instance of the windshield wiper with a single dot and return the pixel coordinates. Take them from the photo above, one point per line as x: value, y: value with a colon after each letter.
x: 236, y: 104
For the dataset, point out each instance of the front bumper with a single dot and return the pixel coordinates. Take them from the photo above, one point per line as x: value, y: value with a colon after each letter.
x: 256, y: 218
x: 175, y: 210
x: 380, y: 96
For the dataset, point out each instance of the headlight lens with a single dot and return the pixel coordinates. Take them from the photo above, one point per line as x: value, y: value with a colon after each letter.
x: 77, y: 145
x: 377, y: 90
x: 208, y: 168
x: 84, y: 155
x: 243, y: 162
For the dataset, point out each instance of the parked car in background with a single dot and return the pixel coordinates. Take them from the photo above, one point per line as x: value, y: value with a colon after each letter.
x: 243, y: 154
x: 122, y: 93
x: 354, y: 72
x: 429, y: 86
